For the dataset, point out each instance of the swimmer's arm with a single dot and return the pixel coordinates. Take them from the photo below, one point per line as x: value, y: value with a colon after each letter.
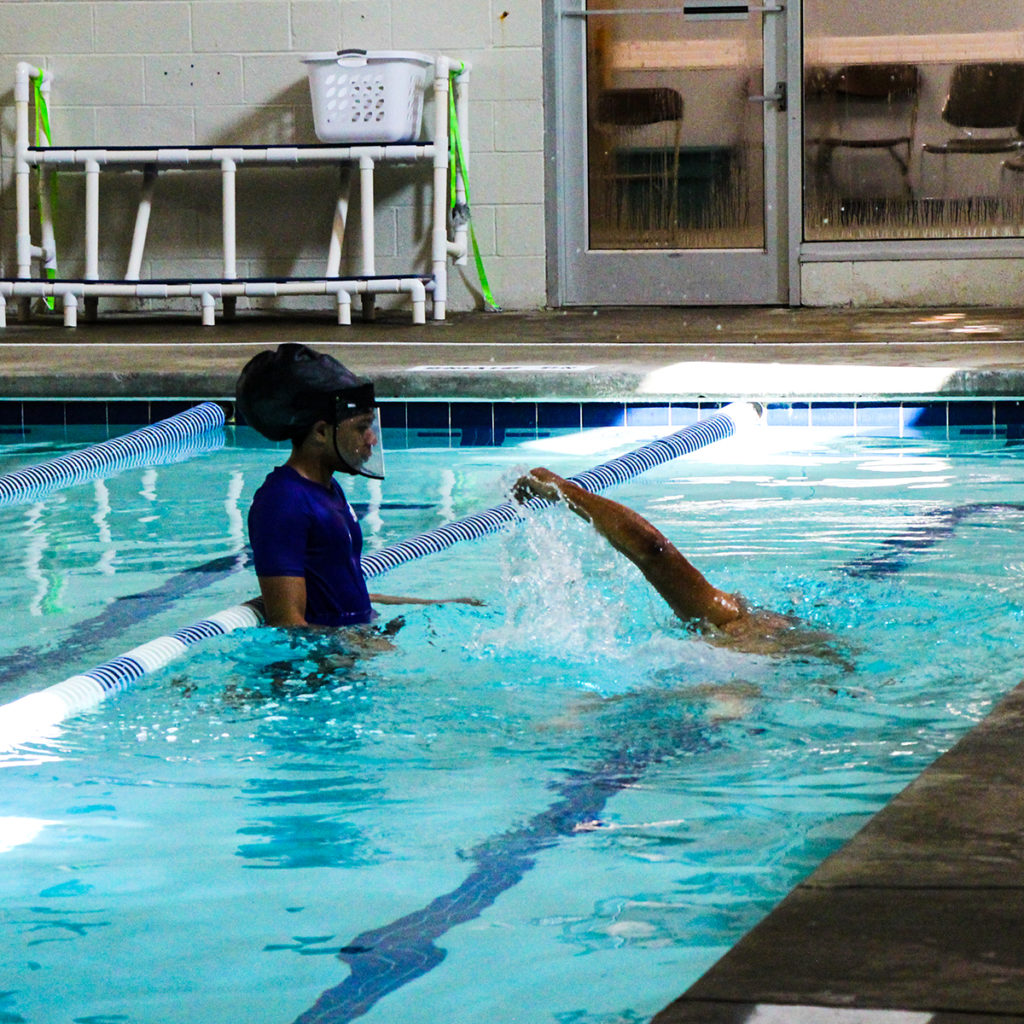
x: 284, y: 600
x: 396, y: 599
x: 682, y: 586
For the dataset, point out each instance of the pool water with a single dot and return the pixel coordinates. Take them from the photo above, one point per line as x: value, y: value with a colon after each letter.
x: 559, y: 806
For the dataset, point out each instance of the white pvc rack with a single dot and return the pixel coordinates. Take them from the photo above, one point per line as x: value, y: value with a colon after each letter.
x: 153, y: 160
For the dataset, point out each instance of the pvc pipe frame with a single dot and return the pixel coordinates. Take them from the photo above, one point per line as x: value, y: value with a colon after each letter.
x: 151, y: 159
x: 37, y: 715
x: 208, y: 292
x: 149, y: 174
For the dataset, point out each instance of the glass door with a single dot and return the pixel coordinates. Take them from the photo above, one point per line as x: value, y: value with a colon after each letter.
x: 670, y: 152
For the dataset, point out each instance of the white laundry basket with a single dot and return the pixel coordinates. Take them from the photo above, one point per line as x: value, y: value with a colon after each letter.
x: 367, y: 95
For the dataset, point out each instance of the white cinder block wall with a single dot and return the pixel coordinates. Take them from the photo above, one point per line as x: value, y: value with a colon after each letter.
x: 229, y: 71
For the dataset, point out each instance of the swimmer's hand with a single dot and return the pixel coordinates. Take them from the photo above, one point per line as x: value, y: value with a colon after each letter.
x: 538, y: 483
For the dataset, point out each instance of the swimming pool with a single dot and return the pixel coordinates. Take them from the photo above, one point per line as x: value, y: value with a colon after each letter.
x: 557, y: 807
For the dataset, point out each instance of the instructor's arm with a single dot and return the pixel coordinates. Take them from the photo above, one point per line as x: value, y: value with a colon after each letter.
x: 284, y: 600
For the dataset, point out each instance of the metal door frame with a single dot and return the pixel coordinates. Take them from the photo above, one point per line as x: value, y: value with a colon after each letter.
x: 577, y: 276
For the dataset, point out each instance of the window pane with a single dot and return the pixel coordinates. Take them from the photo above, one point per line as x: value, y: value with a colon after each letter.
x: 912, y: 124
x: 675, y: 146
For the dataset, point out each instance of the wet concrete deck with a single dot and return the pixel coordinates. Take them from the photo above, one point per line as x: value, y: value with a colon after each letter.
x: 921, y: 912
x: 657, y: 353
x: 921, y: 916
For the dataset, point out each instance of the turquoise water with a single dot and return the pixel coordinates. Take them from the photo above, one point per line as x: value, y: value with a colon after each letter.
x: 630, y: 798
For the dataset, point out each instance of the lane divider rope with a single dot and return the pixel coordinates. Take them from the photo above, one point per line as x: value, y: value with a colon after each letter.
x: 111, y: 456
x: 616, y: 471
x: 36, y: 715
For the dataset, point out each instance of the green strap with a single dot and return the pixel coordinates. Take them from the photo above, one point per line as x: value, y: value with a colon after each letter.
x: 457, y: 165
x: 42, y: 114
x: 45, y: 137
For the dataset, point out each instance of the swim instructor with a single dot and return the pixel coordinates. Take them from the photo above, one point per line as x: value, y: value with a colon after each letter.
x: 306, y: 540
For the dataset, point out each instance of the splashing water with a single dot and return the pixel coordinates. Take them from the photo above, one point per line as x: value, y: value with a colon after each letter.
x: 564, y: 592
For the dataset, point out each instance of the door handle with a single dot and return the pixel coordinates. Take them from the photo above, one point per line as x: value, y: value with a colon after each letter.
x: 779, y: 97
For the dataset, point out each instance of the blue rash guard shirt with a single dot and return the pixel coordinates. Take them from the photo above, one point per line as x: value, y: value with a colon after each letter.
x: 297, y: 527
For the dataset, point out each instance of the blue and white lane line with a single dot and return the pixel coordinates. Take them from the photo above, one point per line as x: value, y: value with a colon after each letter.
x: 196, y: 429
x: 716, y: 427
x: 36, y: 716
x: 175, y: 437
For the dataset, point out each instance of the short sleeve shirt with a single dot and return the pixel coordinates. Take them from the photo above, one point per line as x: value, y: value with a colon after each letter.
x: 297, y: 527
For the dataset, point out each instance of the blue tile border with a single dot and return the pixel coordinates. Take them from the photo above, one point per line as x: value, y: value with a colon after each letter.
x: 874, y: 415
x: 445, y: 423
x: 837, y: 414
x: 647, y: 415
x: 559, y: 415
x: 795, y: 414
x: 594, y: 415
x: 1009, y: 413
x: 515, y: 416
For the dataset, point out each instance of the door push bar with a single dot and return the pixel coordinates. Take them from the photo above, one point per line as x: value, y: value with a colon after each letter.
x: 706, y: 9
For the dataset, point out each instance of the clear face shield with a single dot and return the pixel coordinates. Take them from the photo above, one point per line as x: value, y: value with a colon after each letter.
x: 358, y: 442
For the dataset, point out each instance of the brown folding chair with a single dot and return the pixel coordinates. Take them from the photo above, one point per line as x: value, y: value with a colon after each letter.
x: 1015, y: 164
x: 643, y: 185
x: 866, y: 107
x: 984, y: 101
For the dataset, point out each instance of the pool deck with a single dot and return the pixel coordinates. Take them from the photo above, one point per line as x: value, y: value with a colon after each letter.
x: 920, y: 917
x: 921, y: 912
x: 648, y: 354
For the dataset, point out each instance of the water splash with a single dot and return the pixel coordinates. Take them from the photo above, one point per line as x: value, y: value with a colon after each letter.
x: 565, y: 594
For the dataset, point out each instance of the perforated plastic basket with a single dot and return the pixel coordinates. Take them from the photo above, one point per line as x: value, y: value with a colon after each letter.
x: 367, y: 95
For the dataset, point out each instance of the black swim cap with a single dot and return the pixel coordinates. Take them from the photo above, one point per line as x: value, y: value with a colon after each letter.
x: 283, y: 393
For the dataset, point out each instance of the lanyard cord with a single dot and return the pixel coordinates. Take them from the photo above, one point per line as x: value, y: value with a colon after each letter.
x: 45, y: 137
x: 460, y: 211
